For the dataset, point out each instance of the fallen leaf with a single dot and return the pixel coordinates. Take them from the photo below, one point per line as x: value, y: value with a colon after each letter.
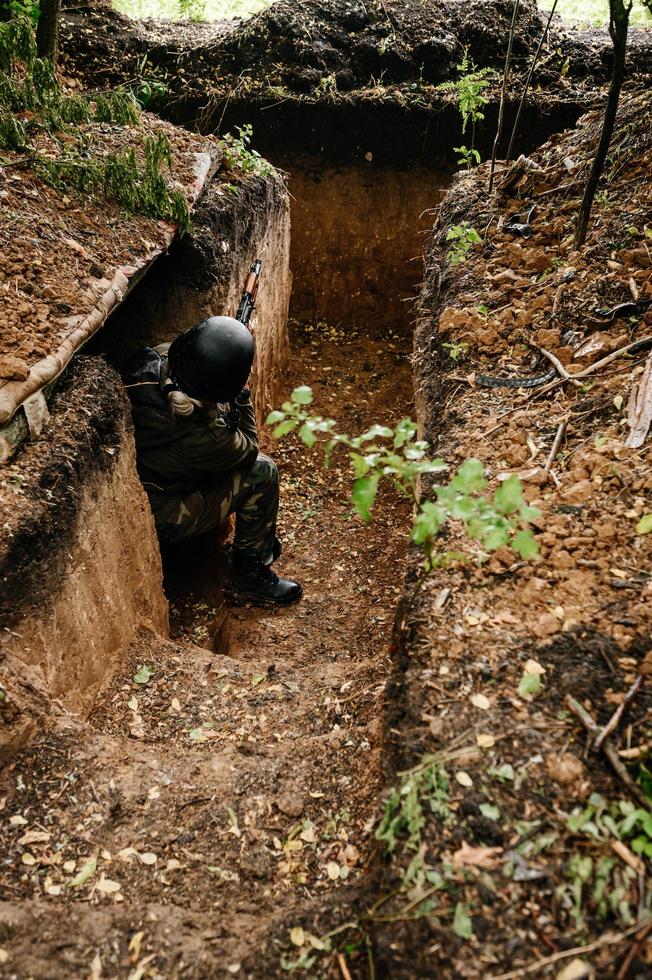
x: 107, y: 886
x: 143, y: 675
x: 463, y: 778
x: 148, y: 858
x: 96, y: 968
x: 462, y: 925
x: 477, y: 857
x: 297, y: 936
x: 480, y: 701
x: 34, y: 837
x: 87, y: 871
x: 485, y: 741
x: 333, y: 870
x: 575, y: 970
x: 28, y: 858
x: 17, y: 820
x: 134, y: 946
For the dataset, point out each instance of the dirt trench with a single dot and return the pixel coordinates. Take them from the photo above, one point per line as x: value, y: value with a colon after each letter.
x: 223, y: 789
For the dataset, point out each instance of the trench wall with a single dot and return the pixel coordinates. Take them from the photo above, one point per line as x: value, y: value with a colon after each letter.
x: 80, y: 569
x: 203, y: 275
x: 80, y: 565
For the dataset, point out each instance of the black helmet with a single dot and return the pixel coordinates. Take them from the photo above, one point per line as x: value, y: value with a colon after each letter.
x: 212, y: 360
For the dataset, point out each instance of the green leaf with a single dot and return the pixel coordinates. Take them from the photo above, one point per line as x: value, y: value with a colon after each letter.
x: 285, y: 427
x: 306, y: 435
x: 469, y: 477
x: 274, y: 417
x: 143, y: 675
x: 529, y: 685
x: 364, y: 494
x: 462, y: 925
x: 524, y: 544
x: 495, y: 538
x: 378, y: 432
x: 361, y: 466
x: 644, y: 526
x: 302, y: 395
x: 509, y: 495
x: 490, y: 811
x: 504, y: 773
x: 87, y: 871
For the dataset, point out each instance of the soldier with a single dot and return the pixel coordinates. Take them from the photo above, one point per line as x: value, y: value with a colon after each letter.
x: 199, y: 460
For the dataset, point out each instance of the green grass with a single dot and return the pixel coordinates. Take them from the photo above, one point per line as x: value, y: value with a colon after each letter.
x: 595, y: 12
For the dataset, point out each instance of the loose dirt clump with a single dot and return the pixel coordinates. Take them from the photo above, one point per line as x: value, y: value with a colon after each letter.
x: 212, y: 803
x: 523, y: 847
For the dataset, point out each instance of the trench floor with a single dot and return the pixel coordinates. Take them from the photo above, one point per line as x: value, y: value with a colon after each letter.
x: 202, y: 814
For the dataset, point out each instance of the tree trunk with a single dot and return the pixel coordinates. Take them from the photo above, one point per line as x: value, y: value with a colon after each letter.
x: 47, y: 32
x: 618, y: 25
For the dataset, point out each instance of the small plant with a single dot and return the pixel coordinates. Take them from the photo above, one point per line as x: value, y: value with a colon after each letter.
x: 327, y: 86
x: 469, y: 93
x: 466, y: 157
x: 398, y: 456
x: 462, y: 238
x: 239, y: 155
x: 32, y: 102
x: 599, y: 883
x: 456, y: 351
x: 421, y: 791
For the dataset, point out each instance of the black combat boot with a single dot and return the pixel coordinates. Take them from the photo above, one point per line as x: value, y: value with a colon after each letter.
x: 252, y: 581
x: 277, y: 549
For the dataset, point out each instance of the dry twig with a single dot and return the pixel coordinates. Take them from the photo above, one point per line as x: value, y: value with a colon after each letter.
x: 565, y: 954
x: 616, y: 717
x: 610, y: 753
x: 561, y: 431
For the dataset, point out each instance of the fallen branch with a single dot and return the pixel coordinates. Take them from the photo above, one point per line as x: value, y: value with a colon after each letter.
x: 610, y: 753
x: 633, y: 950
x: 640, y: 408
x: 561, y: 431
x: 565, y: 375
x: 611, y: 357
x: 616, y: 717
x: 556, y: 363
x: 565, y: 954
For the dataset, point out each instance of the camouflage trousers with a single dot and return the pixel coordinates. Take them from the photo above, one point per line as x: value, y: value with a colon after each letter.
x: 252, y: 494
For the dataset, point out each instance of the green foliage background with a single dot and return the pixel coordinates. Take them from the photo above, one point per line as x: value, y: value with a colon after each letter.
x: 585, y: 11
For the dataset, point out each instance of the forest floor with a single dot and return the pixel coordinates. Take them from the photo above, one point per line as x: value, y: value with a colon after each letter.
x: 214, y: 802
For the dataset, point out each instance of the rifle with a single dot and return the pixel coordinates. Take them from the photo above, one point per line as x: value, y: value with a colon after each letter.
x: 245, y: 310
x: 249, y: 293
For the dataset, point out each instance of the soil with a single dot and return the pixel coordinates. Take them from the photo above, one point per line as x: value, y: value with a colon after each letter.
x: 231, y: 797
x: 61, y: 251
x: 42, y: 487
x: 328, y: 49
x: 581, y: 611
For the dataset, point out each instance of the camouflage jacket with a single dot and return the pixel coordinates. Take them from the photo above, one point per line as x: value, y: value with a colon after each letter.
x: 177, y: 454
